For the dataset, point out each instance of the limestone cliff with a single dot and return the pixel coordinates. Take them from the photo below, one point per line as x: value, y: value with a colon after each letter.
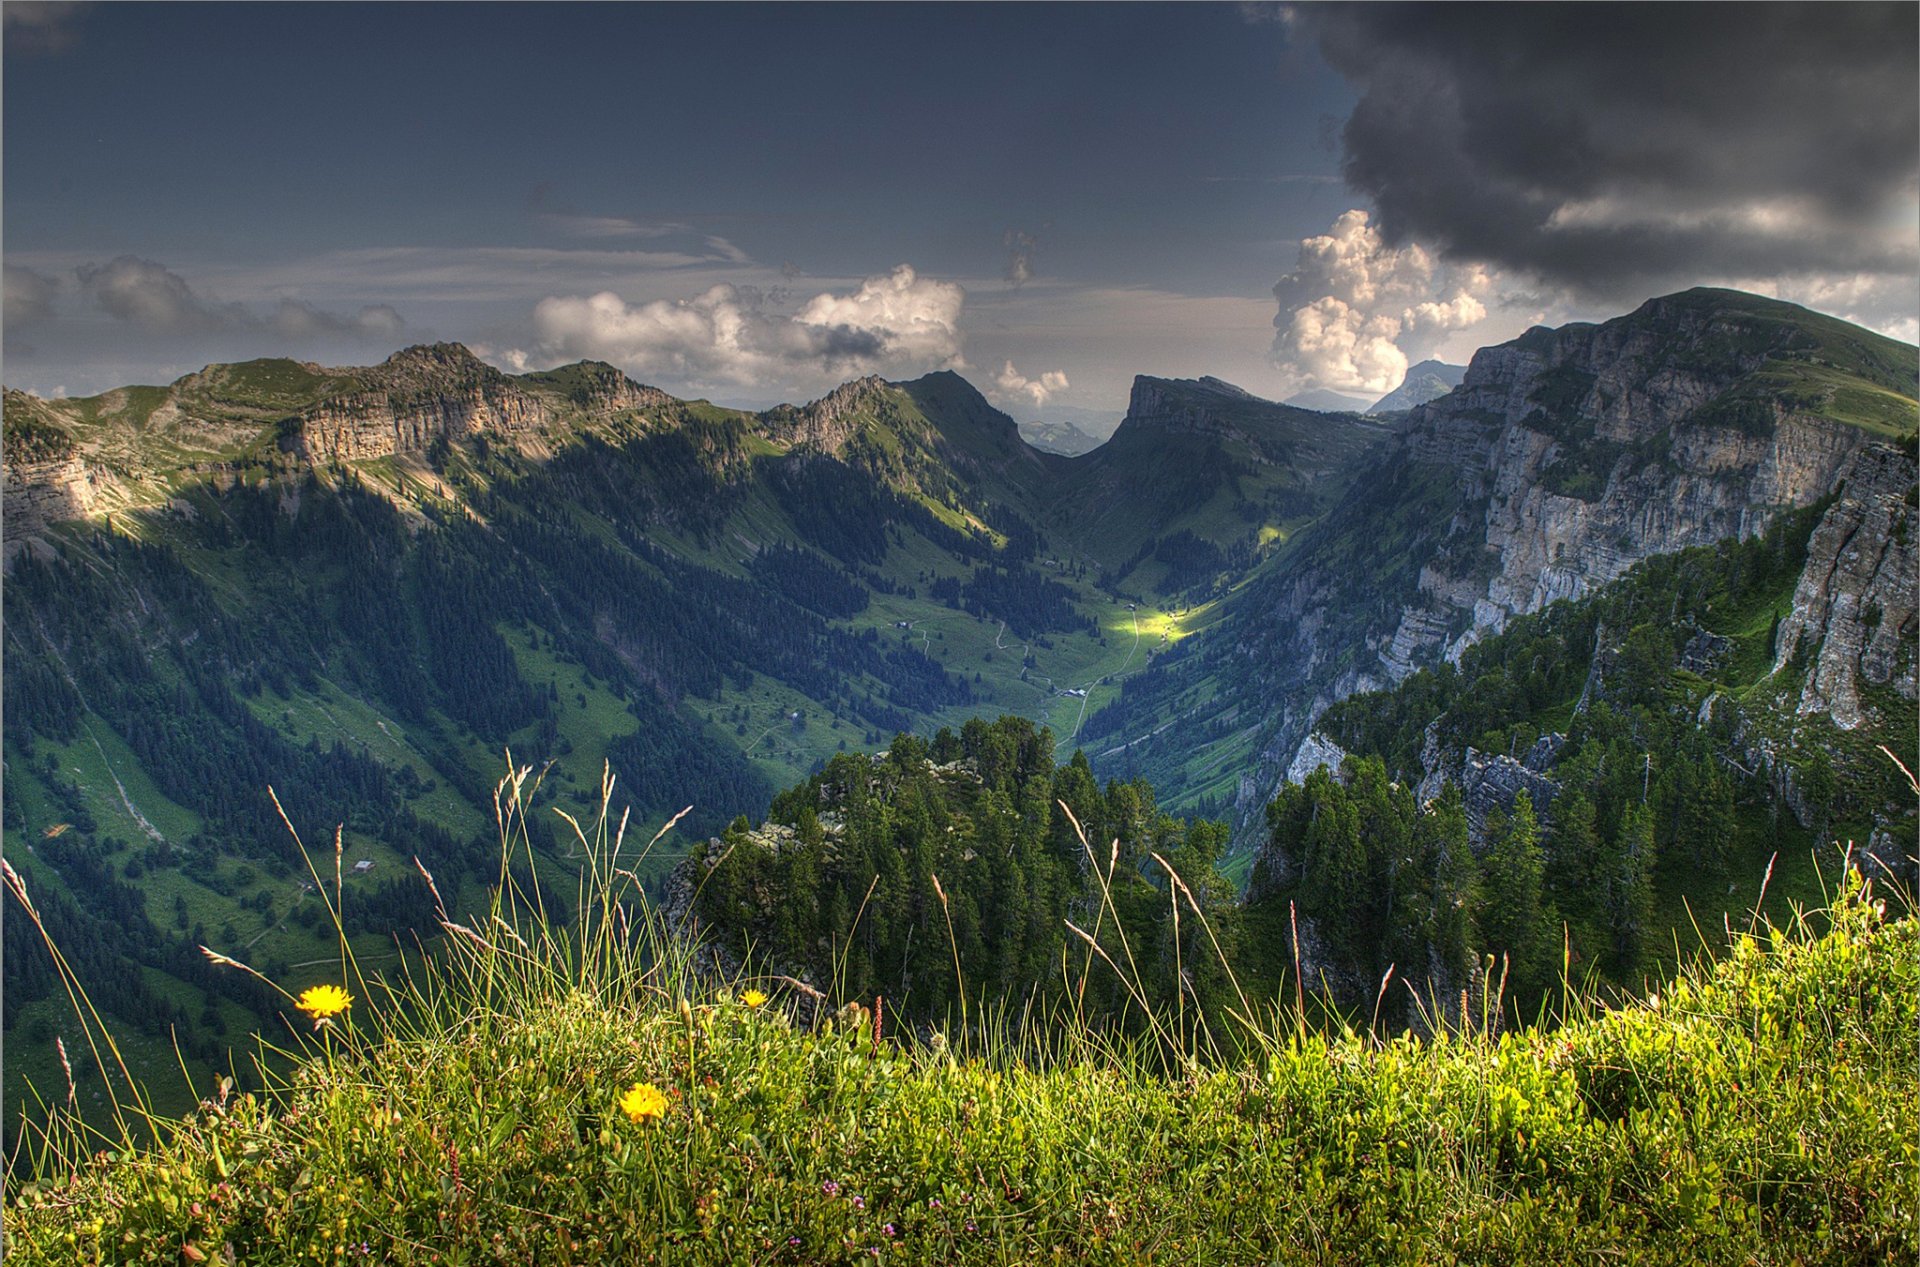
x: 1565, y: 457
x: 828, y: 423
x: 43, y: 493
x: 1854, y: 606
x: 73, y: 459
x: 419, y: 396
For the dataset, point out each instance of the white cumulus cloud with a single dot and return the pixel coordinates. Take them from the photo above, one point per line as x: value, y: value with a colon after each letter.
x: 1355, y: 312
x: 731, y: 335
x: 1011, y: 384
x: 917, y: 317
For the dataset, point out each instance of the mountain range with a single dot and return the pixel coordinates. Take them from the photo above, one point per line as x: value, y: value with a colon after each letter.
x: 362, y: 586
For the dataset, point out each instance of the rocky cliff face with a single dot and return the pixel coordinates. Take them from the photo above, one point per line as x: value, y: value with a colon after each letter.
x: 1565, y: 457
x: 1258, y: 430
x: 74, y: 459
x: 419, y: 396
x: 1591, y: 448
x: 828, y: 423
x: 1854, y: 606
x: 1202, y: 405
x: 42, y: 493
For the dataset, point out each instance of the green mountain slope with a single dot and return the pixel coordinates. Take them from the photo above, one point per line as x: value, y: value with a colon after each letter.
x: 359, y: 587
x: 1565, y: 457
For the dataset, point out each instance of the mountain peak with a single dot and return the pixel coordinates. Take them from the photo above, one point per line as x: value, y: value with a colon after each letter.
x: 433, y: 354
x: 1148, y: 389
x: 434, y: 367
x: 1732, y: 341
x: 1429, y: 380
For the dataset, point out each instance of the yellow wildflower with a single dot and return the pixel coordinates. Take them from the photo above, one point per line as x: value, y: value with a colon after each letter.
x: 643, y: 1100
x: 753, y: 998
x: 323, y: 1002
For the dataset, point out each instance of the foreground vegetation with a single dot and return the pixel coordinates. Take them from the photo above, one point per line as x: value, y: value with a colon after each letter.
x: 580, y: 1093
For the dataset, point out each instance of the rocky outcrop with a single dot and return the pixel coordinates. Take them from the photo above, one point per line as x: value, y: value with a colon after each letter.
x: 828, y: 423
x: 419, y: 396
x: 1853, y: 609
x: 42, y: 493
x: 1562, y: 459
x: 1495, y: 783
x: 1317, y: 751
x: 601, y: 390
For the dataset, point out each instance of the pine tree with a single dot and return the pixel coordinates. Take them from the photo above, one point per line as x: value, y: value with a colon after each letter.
x: 1514, y: 917
x: 1334, y: 880
x: 1574, y: 843
x: 1628, y: 888
x: 1441, y: 839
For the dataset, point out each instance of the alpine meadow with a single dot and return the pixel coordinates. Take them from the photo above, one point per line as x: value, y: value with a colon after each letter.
x: 565, y: 703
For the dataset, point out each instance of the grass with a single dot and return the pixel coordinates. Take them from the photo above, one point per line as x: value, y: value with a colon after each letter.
x: 468, y: 1109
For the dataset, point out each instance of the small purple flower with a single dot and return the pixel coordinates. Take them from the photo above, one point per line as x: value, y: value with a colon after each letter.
x: 891, y: 1230
x: 859, y: 1203
x: 793, y: 1240
x: 971, y: 1227
x: 831, y: 1188
x: 933, y: 1203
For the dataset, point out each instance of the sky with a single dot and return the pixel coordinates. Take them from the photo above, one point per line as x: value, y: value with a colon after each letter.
x: 751, y: 204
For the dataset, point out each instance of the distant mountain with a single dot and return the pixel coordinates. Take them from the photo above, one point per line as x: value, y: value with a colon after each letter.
x: 1197, y: 469
x: 1429, y: 380
x: 1062, y: 438
x: 1325, y: 401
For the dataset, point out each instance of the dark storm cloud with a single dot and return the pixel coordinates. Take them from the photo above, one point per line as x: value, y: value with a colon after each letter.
x: 839, y: 345
x: 1603, y: 146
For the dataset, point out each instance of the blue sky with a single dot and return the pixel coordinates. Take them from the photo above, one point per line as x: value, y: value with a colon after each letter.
x: 751, y: 203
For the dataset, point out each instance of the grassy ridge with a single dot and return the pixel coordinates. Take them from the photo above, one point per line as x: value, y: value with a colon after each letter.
x: 471, y: 1113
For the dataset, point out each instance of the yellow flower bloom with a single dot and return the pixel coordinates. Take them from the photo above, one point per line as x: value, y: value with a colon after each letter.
x: 323, y: 1002
x: 753, y: 998
x: 643, y: 1100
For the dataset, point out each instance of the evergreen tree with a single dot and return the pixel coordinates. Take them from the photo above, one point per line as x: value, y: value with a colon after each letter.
x: 1334, y: 880
x: 1628, y: 888
x: 1441, y: 840
x: 1515, y: 919
x: 1574, y: 843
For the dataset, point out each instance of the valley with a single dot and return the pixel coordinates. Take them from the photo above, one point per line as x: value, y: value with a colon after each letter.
x: 365, y: 587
